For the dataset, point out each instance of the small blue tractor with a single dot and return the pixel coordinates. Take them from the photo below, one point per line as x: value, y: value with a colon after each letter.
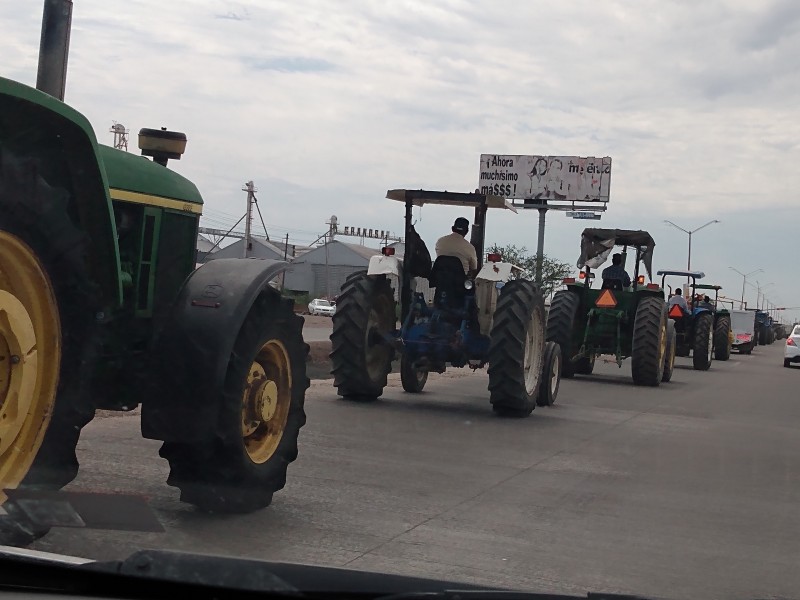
x: 704, y: 331
x: 496, y: 318
x: 764, y: 328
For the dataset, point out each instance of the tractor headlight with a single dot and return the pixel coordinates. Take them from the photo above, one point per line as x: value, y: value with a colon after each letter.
x: 468, y: 284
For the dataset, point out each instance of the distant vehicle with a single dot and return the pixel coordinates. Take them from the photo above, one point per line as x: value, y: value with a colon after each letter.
x: 743, y: 325
x: 791, y: 352
x: 320, y: 306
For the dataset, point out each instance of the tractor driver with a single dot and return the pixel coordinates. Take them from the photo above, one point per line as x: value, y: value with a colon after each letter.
x: 455, y: 244
x: 678, y: 299
x: 616, y: 272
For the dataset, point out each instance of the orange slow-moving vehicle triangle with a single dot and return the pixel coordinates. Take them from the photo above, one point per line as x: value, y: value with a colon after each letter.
x: 675, y: 312
x: 606, y: 300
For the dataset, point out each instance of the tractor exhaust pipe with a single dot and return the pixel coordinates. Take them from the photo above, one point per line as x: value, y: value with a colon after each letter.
x: 51, y: 77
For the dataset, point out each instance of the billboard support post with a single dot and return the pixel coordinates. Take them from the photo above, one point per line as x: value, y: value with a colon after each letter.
x: 540, y: 247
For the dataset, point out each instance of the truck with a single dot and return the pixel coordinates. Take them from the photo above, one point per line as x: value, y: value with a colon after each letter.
x: 743, y: 325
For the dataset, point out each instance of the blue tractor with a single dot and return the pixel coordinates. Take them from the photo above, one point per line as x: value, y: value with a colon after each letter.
x: 764, y: 328
x: 432, y: 315
x: 702, y: 330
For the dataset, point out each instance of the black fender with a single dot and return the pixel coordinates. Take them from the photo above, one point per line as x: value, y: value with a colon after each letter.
x: 191, y: 352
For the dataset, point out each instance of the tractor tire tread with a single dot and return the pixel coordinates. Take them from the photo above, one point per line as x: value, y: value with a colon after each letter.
x: 560, y: 328
x: 647, y: 364
x: 519, y: 300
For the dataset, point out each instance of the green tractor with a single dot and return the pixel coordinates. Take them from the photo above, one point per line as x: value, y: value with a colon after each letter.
x: 623, y: 321
x: 102, y: 307
x: 704, y: 331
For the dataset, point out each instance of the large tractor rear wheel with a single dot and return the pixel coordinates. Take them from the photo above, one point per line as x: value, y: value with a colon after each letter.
x: 561, y: 321
x: 722, y: 338
x: 649, y: 344
x: 259, y: 420
x: 702, y: 351
x: 47, y: 315
x: 361, y: 354
x: 516, y: 349
x: 669, y: 353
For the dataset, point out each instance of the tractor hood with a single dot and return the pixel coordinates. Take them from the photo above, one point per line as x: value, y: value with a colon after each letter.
x: 597, y: 243
x: 131, y: 173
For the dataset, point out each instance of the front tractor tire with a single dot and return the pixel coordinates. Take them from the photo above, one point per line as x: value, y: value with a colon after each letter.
x: 516, y: 349
x: 722, y: 338
x: 48, y: 304
x: 260, y: 417
x: 649, y: 344
x: 413, y: 379
x: 669, y: 354
x: 561, y: 321
x: 551, y: 375
x: 361, y: 354
x: 703, y: 349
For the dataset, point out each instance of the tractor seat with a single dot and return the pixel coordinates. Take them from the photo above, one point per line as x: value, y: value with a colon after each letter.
x: 612, y: 284
x: 447, y: 276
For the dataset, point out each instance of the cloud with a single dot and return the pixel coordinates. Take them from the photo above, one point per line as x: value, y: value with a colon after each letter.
x: 327, y: 106
x: 290, y: 64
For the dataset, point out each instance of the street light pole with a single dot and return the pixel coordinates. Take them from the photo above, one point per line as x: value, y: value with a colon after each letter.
x: 761, y: 292
x: 690, y: 232
x: 744, y: 281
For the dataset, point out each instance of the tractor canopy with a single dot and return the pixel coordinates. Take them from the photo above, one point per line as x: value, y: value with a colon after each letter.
x: 596, y: 245
x: 422, y: 197
x: 692, y: 274
x: 708, y: 286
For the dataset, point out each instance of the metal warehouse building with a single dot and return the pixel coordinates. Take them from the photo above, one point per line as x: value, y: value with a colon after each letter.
x: 328, y: 265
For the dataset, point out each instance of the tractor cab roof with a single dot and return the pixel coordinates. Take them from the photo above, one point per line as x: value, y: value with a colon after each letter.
x: 422, y: 197
x: 597, y: 244
x: 708, y: 286
x: 680, y: 273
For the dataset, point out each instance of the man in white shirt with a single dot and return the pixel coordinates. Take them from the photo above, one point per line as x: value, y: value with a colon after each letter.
x: 455, y: 244
x: 679, y: 300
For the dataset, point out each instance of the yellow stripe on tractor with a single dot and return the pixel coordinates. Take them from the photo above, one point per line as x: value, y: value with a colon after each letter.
x: 160, y: 201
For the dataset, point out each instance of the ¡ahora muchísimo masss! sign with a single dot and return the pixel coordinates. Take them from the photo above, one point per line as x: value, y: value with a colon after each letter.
x: 558, y: 178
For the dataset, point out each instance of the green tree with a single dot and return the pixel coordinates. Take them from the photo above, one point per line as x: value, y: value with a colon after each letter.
x: 553, y: 270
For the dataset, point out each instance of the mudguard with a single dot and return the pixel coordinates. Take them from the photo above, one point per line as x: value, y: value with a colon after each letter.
x: 192, y: 350
x: 385, y: 265
x: 497, y: 271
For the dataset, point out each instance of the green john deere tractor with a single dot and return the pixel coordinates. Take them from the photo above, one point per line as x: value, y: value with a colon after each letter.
x: 102, y: 307
x: 623, y: 321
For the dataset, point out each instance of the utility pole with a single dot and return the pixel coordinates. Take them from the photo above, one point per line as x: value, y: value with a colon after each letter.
x: 248, y: 242
x: 690, y: 232
x: 744, y: 281
x: 285, y: 254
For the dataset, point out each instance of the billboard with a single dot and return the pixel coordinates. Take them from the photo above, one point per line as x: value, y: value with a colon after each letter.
x: 552, y: 178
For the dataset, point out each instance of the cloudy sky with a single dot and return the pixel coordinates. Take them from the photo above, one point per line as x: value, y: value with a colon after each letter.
x: 326, y: 105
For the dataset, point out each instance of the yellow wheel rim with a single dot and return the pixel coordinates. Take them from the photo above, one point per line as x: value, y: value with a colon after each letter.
x: 30, y: 357
x: 266, y: 400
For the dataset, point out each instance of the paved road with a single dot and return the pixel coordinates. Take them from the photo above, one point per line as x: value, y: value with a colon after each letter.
x: 691, y: 489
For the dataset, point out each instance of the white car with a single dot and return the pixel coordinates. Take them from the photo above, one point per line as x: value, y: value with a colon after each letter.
x: 791, y: 352
x: 320, y: 306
